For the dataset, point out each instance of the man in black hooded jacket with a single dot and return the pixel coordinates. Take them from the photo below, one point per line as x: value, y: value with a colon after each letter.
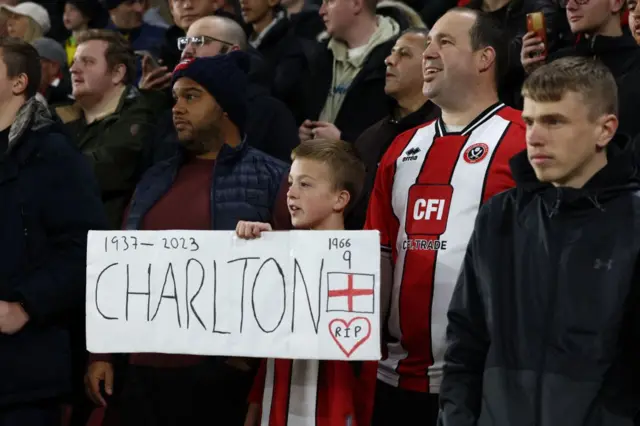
x: 544, y: 322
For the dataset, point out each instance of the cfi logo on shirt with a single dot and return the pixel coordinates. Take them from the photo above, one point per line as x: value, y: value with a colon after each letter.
x: 427, y: 216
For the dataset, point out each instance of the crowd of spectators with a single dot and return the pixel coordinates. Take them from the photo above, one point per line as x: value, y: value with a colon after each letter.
x: 124, y: 79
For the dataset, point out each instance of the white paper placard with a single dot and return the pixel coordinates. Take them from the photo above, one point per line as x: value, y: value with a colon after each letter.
x: 295, y: 294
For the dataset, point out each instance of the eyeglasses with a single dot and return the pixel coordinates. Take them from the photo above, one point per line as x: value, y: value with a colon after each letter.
x: 198, y: 41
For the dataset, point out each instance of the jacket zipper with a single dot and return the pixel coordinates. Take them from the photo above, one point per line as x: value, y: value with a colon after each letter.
x: 555, y: 253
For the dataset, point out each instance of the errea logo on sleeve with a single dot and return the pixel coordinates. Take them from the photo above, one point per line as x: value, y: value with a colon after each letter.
x: 411, y: 154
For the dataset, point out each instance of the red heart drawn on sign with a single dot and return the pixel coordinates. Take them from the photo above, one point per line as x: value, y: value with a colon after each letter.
x: 349, y: 344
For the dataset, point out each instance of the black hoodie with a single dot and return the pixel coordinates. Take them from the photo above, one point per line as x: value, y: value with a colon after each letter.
x: 622, y: 56
x: 544, y: 323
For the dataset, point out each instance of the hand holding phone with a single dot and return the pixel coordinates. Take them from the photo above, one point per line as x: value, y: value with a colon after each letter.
x: 534, y: 43
x: 536, y: 24
x: 155, y: 76
x: 148, y: 60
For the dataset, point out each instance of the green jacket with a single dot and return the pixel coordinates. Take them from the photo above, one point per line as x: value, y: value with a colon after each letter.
x: 114, y: 145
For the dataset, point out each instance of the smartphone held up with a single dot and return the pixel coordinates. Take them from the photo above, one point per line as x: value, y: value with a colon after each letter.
x: 536, y: 24
x: 147, y: 59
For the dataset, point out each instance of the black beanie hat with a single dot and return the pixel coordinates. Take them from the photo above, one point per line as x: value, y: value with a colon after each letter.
x: 224, y: 77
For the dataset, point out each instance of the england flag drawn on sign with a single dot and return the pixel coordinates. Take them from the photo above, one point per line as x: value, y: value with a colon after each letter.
x: 348, y: 292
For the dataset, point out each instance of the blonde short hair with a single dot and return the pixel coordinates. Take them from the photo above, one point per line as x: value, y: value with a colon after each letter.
x: 346, y: 168
x: 586, y: 76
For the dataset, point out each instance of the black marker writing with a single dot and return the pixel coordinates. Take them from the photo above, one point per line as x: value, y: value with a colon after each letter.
x: 346, y: 256
x: 244, y: 274
x: 215, y: 309
x: 98, y: 286
x: 356, y: 330
x: 138, y: 293
x: 284, y: 294
x: 339, y: 243
x: 296, y: 269
x: 173, y: 297
x: 186, y: 291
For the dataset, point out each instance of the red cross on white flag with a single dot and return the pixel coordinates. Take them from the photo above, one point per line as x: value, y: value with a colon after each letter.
x: 350, y: 292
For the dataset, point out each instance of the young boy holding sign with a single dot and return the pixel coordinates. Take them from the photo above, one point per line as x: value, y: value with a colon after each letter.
x: 325, y: 178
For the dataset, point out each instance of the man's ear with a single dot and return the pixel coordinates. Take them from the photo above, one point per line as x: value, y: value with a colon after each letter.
x: 608, y: 125
x: 118, y: 74
x: 358, y: 5
x: 19, y: 85
x: 342, y: 200
x: 617, y: 6
x: 486, y: 59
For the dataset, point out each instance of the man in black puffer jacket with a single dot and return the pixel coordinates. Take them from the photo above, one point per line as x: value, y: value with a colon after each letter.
x: 544, y: 324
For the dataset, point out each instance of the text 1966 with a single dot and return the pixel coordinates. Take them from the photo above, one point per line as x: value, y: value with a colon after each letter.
x: 339, y: 243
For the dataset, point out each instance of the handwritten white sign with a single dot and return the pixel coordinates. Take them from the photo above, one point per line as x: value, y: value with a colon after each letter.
x: 296, y: 294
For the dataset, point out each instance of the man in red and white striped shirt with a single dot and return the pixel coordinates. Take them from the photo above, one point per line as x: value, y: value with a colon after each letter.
x: 429, y: 187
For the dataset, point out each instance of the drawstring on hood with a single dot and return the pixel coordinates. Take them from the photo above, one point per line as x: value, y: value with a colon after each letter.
x: 556, y: 206
x: 594, y: 200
